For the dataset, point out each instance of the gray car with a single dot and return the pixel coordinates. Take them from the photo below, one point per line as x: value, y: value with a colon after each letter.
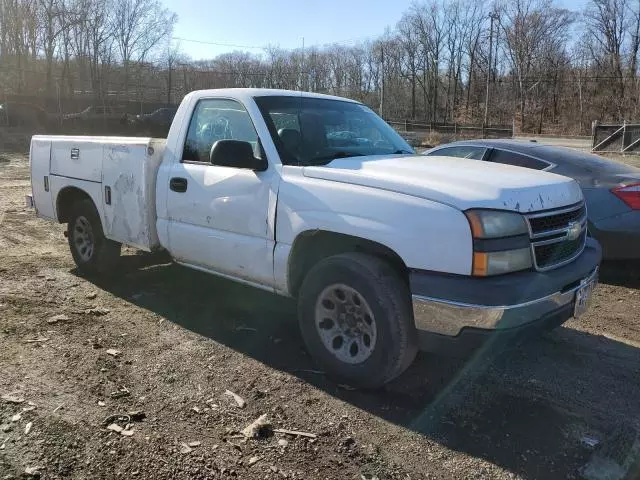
x: 611, y: 190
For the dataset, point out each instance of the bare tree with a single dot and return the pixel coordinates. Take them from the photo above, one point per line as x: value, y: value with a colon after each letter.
x: 54, y: 22
x: 171, y: 57
x: 435, y: 64
x: 607, y: 22
x: 531, y: 28
x: 138, y: 27
x: 409, y: 49
x: 18, y: 34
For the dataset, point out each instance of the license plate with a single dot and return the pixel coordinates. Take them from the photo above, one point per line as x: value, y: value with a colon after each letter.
x: 583, y: 296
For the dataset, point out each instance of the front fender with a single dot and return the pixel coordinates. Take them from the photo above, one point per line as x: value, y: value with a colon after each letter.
x: 427, y: 235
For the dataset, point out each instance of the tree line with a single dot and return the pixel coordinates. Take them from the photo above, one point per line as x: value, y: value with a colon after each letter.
x: 464, y: 61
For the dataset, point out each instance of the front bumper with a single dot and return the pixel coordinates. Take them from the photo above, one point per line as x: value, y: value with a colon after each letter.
x: 446, y: 307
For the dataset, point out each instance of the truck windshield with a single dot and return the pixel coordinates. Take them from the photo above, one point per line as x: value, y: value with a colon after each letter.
x: 315, y: 131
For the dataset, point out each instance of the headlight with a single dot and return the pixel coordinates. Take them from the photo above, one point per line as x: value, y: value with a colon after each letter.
x: 496, y: 263
x: 495, y: 223
x: 500, y: 242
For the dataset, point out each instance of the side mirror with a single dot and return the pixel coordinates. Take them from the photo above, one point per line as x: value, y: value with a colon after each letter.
x: 237, y: 154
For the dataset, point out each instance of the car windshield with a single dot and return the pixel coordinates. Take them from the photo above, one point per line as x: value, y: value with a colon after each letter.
x: 315, y: 131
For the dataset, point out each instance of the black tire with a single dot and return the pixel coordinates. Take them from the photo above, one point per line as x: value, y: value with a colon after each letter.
x: 388, y: 298
x: 102, y: 257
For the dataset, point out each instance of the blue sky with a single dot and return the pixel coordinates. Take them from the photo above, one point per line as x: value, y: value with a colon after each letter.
x: 257, y: 23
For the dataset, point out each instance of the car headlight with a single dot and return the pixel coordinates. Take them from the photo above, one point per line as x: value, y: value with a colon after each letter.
x: 500, y: 242
x: 496, y: 223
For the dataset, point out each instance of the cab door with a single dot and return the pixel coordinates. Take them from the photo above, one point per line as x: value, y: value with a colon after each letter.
x: 218, y: 215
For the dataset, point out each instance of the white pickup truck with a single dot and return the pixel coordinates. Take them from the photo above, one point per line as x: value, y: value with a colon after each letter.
x: 317, y: 198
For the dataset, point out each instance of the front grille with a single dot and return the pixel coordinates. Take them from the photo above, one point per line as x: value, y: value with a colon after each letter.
x: 557, y: 221
x: 551, y: 236
x: 554, y: 253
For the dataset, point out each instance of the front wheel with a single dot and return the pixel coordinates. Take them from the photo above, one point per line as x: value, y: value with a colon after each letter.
x: 355, y: 317
x: 93, y: 253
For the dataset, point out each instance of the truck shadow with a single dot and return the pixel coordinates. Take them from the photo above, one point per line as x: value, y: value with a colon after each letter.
x: 525, y: 409
x: 621, y: 273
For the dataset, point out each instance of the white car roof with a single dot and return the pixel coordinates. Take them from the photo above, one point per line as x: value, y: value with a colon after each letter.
x: 243, y: 93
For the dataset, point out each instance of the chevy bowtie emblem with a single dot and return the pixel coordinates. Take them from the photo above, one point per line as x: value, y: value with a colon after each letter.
x: 574, y: 230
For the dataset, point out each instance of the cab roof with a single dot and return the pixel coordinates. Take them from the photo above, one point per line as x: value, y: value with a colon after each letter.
x: 263, y: 92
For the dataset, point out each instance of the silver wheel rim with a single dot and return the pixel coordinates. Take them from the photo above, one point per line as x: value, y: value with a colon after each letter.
x: 83, y: 238
x: 345, y: 323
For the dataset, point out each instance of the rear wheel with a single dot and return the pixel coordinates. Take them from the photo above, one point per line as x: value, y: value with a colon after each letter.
x: 92, y: 252
x: 355, y: 317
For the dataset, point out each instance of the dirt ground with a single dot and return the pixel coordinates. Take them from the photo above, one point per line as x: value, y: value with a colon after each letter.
x: 561, y: 406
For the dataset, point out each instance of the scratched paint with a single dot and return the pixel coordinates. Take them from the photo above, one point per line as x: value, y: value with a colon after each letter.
x: 119, y: 148
x: 456, y: 182
x: 126, y: 221
x: 130, y: 172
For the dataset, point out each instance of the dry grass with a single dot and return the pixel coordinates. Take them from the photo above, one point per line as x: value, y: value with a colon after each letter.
x: 433, y: 139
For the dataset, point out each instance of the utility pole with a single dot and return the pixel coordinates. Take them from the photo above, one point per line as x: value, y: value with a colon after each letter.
x: 169, y: 67
x: 493, y: 16
x: 382, y: 81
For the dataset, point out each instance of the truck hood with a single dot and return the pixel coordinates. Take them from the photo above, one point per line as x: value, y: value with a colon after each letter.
x: 457, y: 182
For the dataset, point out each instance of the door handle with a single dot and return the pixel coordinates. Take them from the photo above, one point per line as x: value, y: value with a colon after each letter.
x: 178, y: 184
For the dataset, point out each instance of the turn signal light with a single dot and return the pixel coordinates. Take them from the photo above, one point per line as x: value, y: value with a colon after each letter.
x: 480, y: 264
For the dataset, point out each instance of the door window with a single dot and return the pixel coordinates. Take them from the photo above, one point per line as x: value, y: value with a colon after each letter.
x: 216, y: 119
x: 510, y: 158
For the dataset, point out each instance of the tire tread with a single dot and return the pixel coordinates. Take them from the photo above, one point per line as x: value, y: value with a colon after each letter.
x: 395, y: 299
x: 106, y: 252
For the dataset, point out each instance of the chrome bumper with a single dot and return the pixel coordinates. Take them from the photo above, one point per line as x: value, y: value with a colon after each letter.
x: 449, y: 318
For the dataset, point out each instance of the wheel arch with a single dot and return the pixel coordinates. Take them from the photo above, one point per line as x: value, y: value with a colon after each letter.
x: 311, y: 246
x: 66, y: 198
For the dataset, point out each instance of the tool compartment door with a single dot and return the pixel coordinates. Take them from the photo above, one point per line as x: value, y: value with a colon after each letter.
x: 40, y: 156
x: 77, y: 157
x: 128, y: 184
